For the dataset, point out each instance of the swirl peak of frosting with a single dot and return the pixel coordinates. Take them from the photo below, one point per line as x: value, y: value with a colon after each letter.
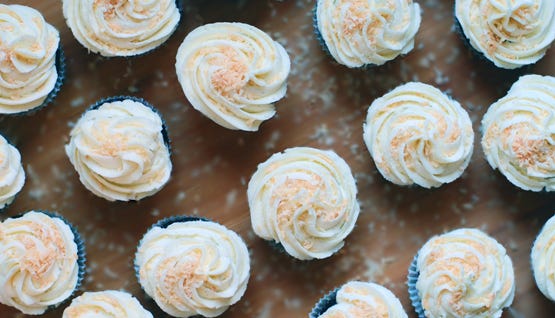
x: 362, y: 32
x: 193, y: 268
x: 119, y: 151
x: 519, y: 133
x: 12, y: 175
x: 362, y: 300
x: 543, y: 259
x: 232, y: 73
x: 418, y: 135
x: 38, y: 262
x: 121, y: 27
x: 28, y: 48
x: 106, y: 304
x: 464, y: 273
x: 304, y: 199
x: 510, y: 33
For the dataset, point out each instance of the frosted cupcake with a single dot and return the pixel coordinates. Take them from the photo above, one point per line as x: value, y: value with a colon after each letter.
x: 191, y: 266
x: 359, y: 32
x: 106, y: 304
x: 233, y: 73
x: 12, y: 176
x: 304, y: 199
x: 543, y: 259
x: 519, y: 133
x: 510, y: 34
x: 31, y: 60
x: 120, y: 149
x: 418, y: 135
x: 121, y: 27
x: 462, y: 273
x: 42, y: 262
x: 358, y: 300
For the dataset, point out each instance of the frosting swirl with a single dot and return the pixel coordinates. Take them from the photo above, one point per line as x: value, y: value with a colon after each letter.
x: 304, y: 199
x: 418, y: 135
x: 12, y: 176
x: 121, y: 27
x: 361, y: 32
x: 119, y: 151
x: 193, y: 268
x: 38, y: 262
x: 232, y: 73
x: 361, y: 300
x: 464, y: 273
x: 27, y: 58
x: 519, y: 133
x: 510, y: 33
x: 543, y: 259
x: 106, y: 304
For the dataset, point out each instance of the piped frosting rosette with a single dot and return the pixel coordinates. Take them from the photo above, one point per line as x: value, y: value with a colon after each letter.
x: 519, y: 133
x: 105, y: 304
x: 12, y: 175
x: 121, y: 27
x: 362, y: 32
x: 193, y: 268
x: 305, y: 200
x: 28, y: 46
x: 509, y: 33
x: 543, y: 259
x: 38, y: 262
x: 464, y: 273
x: 233, y: 73
x: 418, y: 135
x: 119, y: 150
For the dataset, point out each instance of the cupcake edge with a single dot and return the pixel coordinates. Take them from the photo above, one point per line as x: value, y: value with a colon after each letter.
x: 326, y: 302
x: 412, y: 278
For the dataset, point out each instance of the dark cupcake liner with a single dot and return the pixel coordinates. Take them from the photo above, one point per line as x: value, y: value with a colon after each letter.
x: 412, y: 278
x: 324, y: 304
x: 81, y: 253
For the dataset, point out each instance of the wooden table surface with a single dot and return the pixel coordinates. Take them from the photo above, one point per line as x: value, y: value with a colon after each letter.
x: 324, y: 108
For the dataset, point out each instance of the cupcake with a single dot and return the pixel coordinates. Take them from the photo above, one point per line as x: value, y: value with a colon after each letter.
x: 519, y: 133
x: 543, y: 259
x: 463, y: 273
x: 12, y: 176
x: 42, y: 261
x: 106, y: 304
x: 120, y: 149
x: 192, y: 266
x: 418, y: 135
x: 304, y: 199
x: 31, y: 60
x: 232, y: 73
x: 121, y: 27
x: 510, y: 34
x: 359, y: 299
x: 358, y: 33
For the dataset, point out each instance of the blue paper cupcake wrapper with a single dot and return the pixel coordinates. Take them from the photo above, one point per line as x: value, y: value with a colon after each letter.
x: 324, y: 304
x: 413, y: 292
x: 81, y: 253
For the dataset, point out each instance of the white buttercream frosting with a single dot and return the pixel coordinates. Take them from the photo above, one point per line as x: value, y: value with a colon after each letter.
x: 510, y: 33
x: 193, y: 268
x: 304, y: 199
x: 233, y: 73
x: 418, y: 135
x: 119, y: 152
x: 361, y: 32
x: 543, y: 259
x: 12, y: 176
x: 363, y: 300
x: 106, y: 304
x: 27, y: 58
x: 121, y: 27
x: 38, y: 262
x: 464, y: 273
x: 519, y: 133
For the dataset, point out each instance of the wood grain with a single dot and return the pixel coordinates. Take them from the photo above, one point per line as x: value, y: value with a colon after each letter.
x: 325, y: 108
